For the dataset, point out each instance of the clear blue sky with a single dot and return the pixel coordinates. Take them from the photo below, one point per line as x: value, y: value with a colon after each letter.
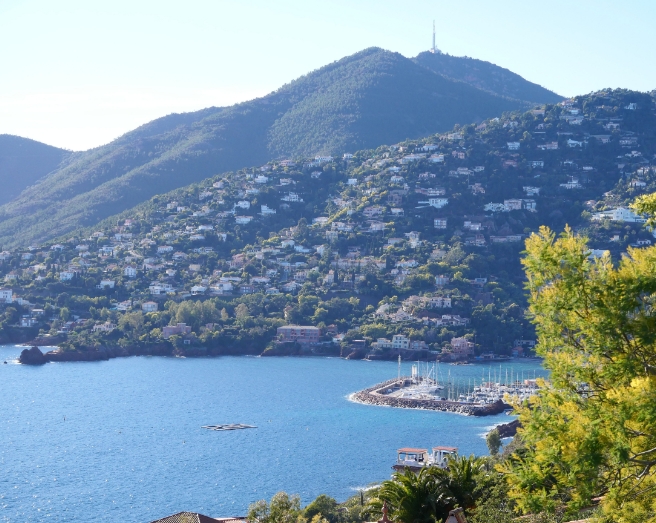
x: 79, y: 73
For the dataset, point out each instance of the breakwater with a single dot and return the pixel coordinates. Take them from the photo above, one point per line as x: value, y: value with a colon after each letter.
x: 376, y: 396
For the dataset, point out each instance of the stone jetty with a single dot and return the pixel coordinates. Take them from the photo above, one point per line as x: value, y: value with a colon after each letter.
x: 376, y: 396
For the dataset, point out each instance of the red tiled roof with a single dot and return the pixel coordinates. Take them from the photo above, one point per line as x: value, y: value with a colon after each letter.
x: 194, y: 517
x: 411, y: 450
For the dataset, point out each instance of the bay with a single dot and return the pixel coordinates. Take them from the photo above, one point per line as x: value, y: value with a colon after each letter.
x: 121, y: 440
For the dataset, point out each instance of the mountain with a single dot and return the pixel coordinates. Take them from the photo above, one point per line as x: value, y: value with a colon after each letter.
x: 359, y: 102
x: 486, y: 76
x: 23, y: 162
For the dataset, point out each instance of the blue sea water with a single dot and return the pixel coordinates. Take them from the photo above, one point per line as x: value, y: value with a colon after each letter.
x: 121, y: 440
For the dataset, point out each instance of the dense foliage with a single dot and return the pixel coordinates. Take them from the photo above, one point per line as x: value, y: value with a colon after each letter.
x: 592, y: 430
x: 354, y: 243
x: 361, y: 101
x: 23, y: 162
x: 487, y: 76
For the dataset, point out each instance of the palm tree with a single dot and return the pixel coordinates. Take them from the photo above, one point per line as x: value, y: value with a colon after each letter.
x: 462, y: 476
x: 414, y: 497
x: 427, y: 496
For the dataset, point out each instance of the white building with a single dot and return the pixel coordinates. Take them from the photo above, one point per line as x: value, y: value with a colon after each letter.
x: 149, y: 306
x: 441, y: 280
x: 243, y: 220
x: 440, y: 223
x: 621, y: 214
x: 106, y: 284
x: 6, y: 296
x: 513, y: 146
x: 66, y: 275
x: 266, y: 210
x: 438, y: 203
x: 243, y: 204
x: 130, y: 272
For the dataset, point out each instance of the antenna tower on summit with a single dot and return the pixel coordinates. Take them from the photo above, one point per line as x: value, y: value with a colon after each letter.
x: 434, y: 49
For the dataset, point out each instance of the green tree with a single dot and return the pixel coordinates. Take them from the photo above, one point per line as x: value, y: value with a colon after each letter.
x: 64, y: 314
x: 493, y: 441
x: 591, y: 431
x: 283, y: 508
x: 323, y: 506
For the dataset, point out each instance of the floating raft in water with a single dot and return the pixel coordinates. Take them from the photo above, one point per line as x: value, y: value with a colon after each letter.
x: 233, y: 426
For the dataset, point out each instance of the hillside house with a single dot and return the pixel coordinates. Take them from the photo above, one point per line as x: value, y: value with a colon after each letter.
x: 438, y: 203
x: 149, y: 306
x: 373, y: 210
x: 439, y: 223
x: 436, y: 158
x: 180, y: 329
x: 513, y: 146
x: 441, y: 280
x: 301, y: 334
x: 106, y: 284
x: 461, y: 348
x: 6, y: 296
x: 621, y: 214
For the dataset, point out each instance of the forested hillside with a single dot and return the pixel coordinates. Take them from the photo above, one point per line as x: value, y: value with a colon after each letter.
x: 361, y: 101
x: 421, y: 239
x: 486, y: 76
x: 23, y: 162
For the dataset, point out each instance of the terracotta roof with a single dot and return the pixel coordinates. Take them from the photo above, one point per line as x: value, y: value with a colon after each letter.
x: 452, y: 449
x: 194, y: 517
x: 411, y: 450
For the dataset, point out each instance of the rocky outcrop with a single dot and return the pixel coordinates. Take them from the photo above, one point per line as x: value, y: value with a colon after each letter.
x: 106, y: 353
x: 508, y: 430
x: 32, y: 356
x: 48, y: 341
x: 374, y: 396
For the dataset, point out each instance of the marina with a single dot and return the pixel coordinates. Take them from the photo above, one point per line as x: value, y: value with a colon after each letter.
x: 424, y: 389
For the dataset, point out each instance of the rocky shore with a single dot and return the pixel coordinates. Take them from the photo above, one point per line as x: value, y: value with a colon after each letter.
x: 374, y: 396
x: 34, y: 355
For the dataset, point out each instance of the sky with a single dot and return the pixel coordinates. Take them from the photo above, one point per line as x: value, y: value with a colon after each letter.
x: 79, y: 73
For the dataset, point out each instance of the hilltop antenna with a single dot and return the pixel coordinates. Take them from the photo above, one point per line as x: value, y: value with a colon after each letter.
x: 434, y: 49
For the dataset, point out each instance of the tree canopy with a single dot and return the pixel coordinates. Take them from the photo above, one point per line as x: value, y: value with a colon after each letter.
x: 591, y: 431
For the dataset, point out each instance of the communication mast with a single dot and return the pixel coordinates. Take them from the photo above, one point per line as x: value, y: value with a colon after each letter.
x: 434, y: 49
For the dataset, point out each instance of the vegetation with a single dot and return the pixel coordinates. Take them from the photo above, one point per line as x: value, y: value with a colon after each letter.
x: 316, y: 259
x: 592, y: 430
x: 362, y: 101
x: 23, y: 162
x: 487, y: 76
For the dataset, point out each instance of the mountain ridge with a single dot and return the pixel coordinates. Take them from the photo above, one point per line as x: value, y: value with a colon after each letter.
x: 361, y: 101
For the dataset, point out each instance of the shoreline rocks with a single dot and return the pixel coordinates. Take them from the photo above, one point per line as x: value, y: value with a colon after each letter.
x: 372, y: 396
x: 32, y: 356
x: 508, y: 430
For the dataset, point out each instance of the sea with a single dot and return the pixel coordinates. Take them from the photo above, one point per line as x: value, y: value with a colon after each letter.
x: 122, y: 440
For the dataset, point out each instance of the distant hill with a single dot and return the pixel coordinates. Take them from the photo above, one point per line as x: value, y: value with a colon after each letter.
x: 23, y: 162
x: 367, y: 99
x: 487, y: 76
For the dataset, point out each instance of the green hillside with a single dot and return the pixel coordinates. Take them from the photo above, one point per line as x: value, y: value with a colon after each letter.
x: 361, y: 101
x: 486, y: 76
x: 421, y: 239
x: 23, y: 162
